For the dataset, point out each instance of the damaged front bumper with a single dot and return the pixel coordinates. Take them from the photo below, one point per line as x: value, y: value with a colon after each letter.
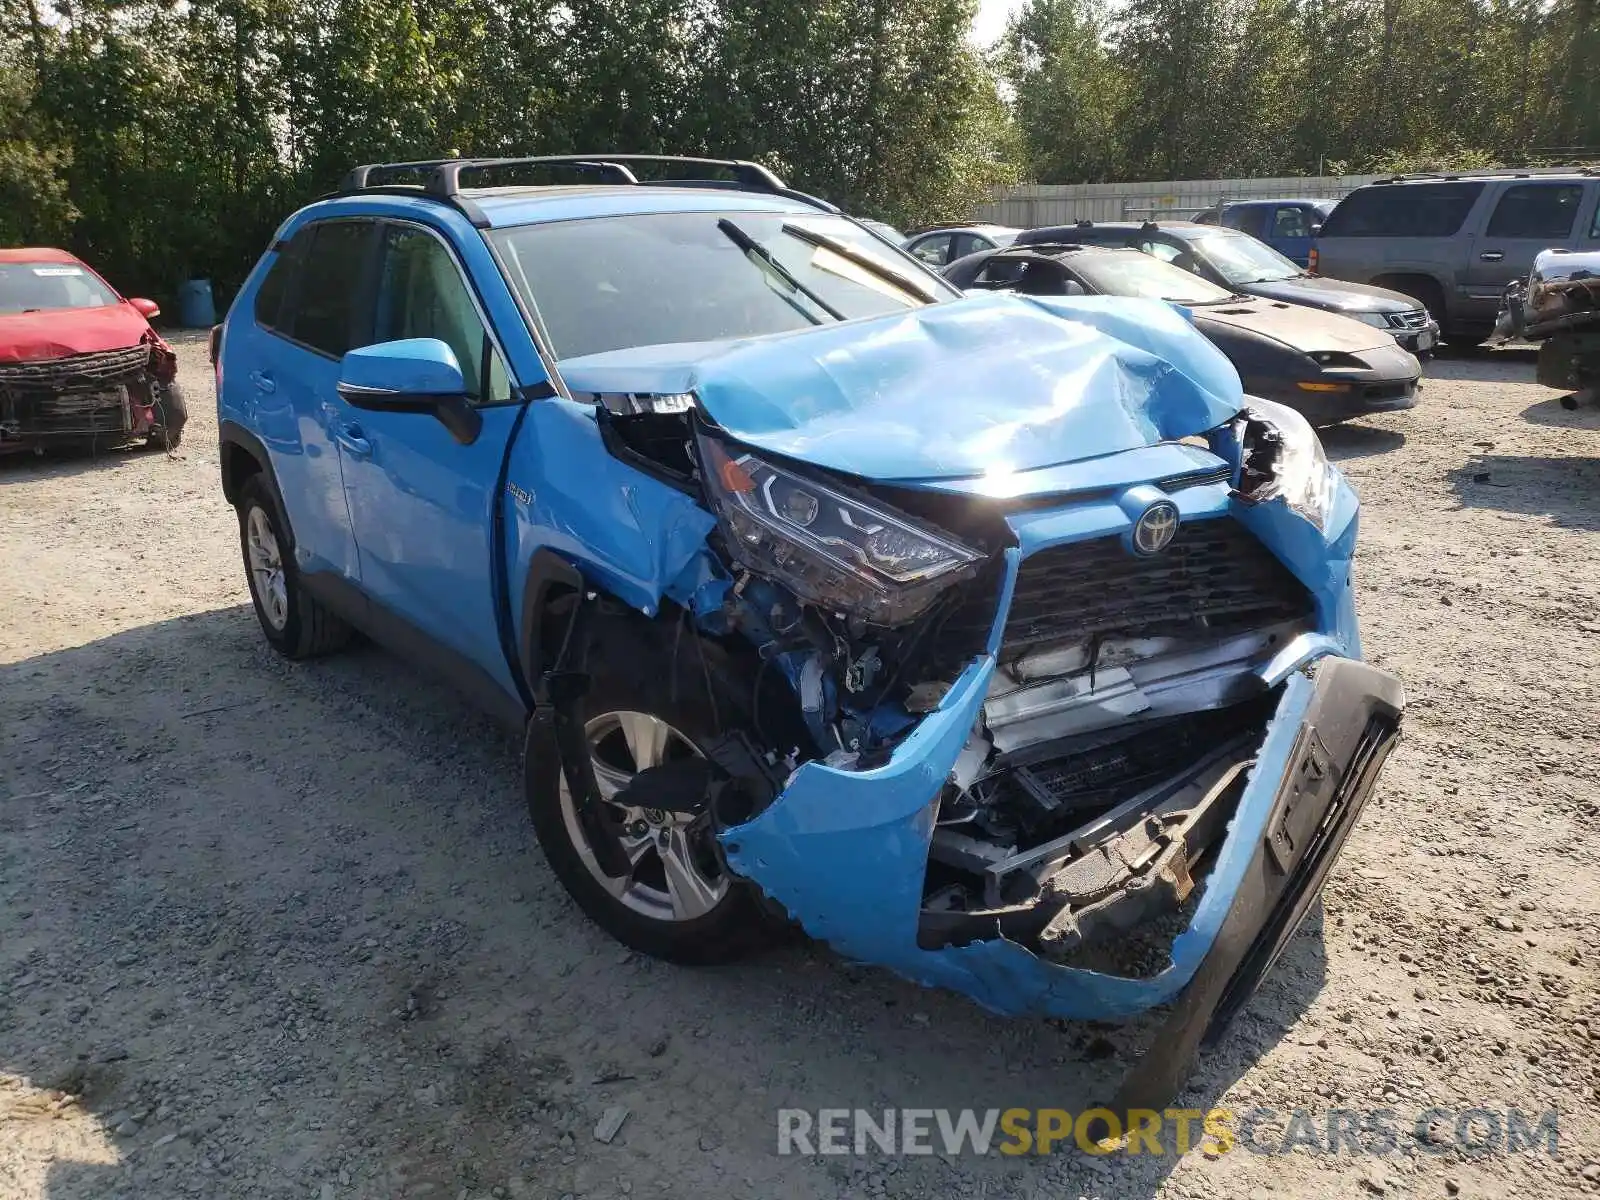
x: 845, y: 852
x: 102, y: 395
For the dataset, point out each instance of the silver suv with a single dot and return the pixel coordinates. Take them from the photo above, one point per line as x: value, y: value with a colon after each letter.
x: 1453, y: 242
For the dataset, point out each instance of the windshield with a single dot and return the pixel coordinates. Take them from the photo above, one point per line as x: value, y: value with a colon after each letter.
x: 612, y: 283
x: 37, y: 286
x: 1240, y: 259
x: 1135, y: 274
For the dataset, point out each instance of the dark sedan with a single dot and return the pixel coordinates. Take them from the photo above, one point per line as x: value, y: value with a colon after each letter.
x: 1326, y: 366
x: 1245, y: 265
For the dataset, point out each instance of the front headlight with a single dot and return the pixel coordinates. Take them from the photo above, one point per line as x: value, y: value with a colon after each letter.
x: 1281, y: 456
x: 832, y: 549
x: 1371, y: 318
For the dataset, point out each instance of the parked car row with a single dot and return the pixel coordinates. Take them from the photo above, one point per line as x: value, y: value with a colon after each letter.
x: 1439, y: 248
x: 1326, y: 367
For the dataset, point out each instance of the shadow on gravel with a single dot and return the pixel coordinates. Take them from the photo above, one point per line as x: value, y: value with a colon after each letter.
x: 1346, y: 442
x: 1567, y: 490
x: 1550, y: 412
x: 284, y: 930
x: 59, y: 461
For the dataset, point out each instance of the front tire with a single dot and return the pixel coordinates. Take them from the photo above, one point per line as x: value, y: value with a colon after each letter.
x: 172, y: 414
x: 648, y: 705
x: 295, y: 624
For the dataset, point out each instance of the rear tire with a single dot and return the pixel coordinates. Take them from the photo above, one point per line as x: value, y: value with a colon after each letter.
x: 296, y: 625
x: 648, y: 700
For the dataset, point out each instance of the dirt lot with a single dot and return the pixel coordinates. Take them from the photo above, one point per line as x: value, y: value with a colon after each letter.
x: 278, y: 930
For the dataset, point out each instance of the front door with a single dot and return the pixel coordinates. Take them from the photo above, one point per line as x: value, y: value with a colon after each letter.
x: 1528, y: 218
x: 1289, y: 232
x: 421, y: 503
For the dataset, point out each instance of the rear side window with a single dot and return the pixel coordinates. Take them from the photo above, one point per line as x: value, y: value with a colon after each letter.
x: 1404, y: 210
x: 326, y: 301
x: 1243, y: 217
x: 1537, y: 210
x: 269, y: 296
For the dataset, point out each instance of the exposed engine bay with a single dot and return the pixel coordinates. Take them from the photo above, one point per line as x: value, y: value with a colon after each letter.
x: 1130, y: 690
x: 106, y: 395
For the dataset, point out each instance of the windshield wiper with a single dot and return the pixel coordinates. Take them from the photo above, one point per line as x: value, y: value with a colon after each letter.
x: 759, y: 252
x: 882, y: 270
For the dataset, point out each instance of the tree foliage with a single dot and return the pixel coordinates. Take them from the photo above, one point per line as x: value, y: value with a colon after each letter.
x: 1181, y: 89
x: 168, y: 140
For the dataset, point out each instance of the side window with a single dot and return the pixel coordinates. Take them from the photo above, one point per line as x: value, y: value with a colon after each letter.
x: 1403, y: 210
x: 1537, y: 210
x: 1594, y: 227
x: 269, y: 296
x: 1290, y: 222
x: 1001, y: 272
x: 1243, y: 217
x: 324, y: 309
x: 963, y: 244
x: 421, y: 295
x: 934, y: 251
x: 1165, y: 251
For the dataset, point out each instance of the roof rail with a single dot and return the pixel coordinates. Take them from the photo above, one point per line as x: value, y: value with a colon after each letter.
x: 1488, y: 173
x: 444, y: 176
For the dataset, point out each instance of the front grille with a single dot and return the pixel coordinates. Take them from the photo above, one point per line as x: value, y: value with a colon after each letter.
x: 1213, y: 574
x: 1107, y: 770
x: 1386, y: 391
x: 76, y: 413
x: 77, y: 372
x: 1417, y: 318
x: 1200, y: 478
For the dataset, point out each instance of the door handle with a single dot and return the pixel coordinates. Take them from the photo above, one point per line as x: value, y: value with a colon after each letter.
x: 353, y: 442
x: 1491, y: 256
x: 263, y: 381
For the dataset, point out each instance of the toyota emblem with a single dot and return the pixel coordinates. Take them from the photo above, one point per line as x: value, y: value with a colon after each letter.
x: 1156, y: 528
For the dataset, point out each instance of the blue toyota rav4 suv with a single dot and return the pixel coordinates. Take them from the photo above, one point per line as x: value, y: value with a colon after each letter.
x: 995, y: 639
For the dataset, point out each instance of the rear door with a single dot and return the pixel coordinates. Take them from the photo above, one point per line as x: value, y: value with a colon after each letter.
x: 422, y: 504
x: 1528, y: 216
x: 308, y: 312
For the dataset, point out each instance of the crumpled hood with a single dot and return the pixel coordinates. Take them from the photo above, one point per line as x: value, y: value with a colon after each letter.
x: 60, y: 332
x: 1334, y: 294
x: 994, y: 383
x: 1308, y: 330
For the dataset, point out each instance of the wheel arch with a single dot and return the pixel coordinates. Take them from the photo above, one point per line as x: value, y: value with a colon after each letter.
x: 1424, y: 287
x: 550, y: 586
x: 243, y: 455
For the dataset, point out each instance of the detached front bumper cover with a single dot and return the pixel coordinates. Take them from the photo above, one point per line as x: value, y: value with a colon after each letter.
x: 845, y: 853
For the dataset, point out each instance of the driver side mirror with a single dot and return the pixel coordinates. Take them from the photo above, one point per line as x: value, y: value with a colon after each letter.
x: 417, y: 375
x: 1316, y: 231
x: 148, y: 309
x: 1074, y: 288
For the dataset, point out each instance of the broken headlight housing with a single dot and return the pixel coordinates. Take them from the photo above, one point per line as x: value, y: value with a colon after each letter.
x: 1281, y: 456
x: 832, y: 549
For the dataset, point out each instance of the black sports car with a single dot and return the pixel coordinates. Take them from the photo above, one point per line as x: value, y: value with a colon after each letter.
x: 1327, y: 367
x: 1241, y: 263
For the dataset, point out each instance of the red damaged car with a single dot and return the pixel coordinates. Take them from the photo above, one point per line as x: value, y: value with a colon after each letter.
x: 78, y: 363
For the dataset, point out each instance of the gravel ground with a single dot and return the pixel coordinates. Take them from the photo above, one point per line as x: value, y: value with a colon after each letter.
x: 280, y: 930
